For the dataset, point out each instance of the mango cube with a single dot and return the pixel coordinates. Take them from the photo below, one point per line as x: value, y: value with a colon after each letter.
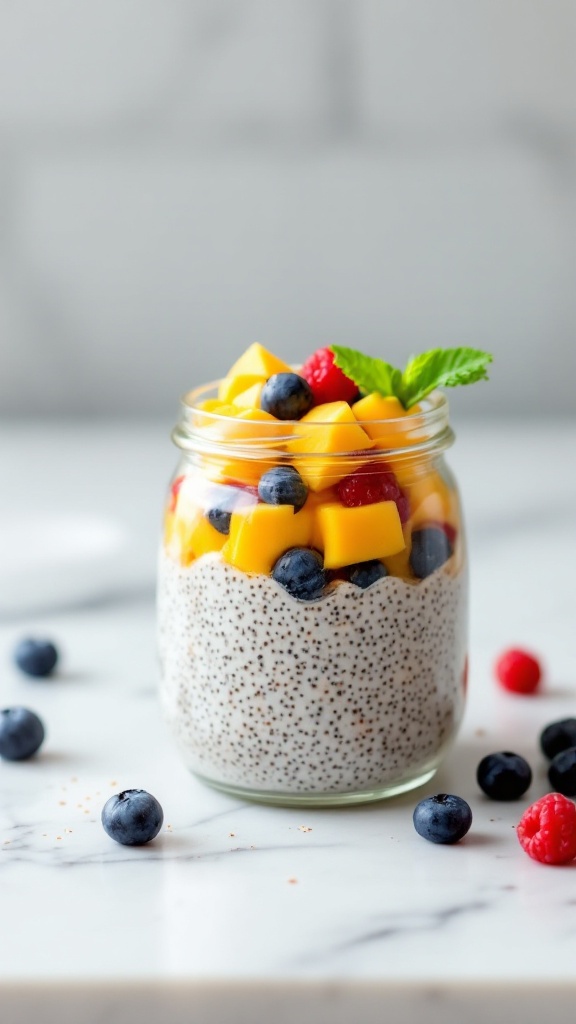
x: 432, y: 500
x: 259, y: 535
x: 189, y: 538
x: 257, y: 360
x: 358, y: 534
x: 231, y: 386
x: 397, y: 433
x: 250, y: 398
x: 328, y: 428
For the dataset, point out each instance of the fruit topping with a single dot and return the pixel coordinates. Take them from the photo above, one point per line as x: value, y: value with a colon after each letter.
x: 260, y: 534
x: 547, y: 830
x: 258, y: 361
x: 286, y: 396
x: 283, y: 485
x: 518, y: 671
x: 371, y: 483
x: 364, y: 574
x: 430, y: 549
x: 36, y: 657
x: 21, y: 733
x: 443, y: 818
x: 301, y: 572
x: 133, y: 817
x: 504, y: 776
x: 220, y: 518
x: 562, y: 772
x: 324, y: 431
x: 351, y: 535
x: 326, y: 380
x: 558, y: 736
x: 174, y: 491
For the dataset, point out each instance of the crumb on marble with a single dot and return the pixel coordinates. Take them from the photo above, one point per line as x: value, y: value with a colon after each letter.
x: 231, y: 835
x: 62, y: 803
x: 292, y: 881
x: 304, y: 828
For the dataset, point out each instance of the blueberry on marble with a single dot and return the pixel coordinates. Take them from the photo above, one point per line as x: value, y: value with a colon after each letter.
x: 132, y: 817
x: 430, y: 549
x: 283, y: 485
x: 562, y: 772
x: 286, y: 396
x: 301, y: 572
x: 35, y: 657
x: 558, y: 736
x: 443, y: 818
x: 364, y: 574
x: 504, y: 775
x: 21, y: 733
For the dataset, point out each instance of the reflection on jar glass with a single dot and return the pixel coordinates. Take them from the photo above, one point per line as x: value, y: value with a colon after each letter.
x: 312, y: 599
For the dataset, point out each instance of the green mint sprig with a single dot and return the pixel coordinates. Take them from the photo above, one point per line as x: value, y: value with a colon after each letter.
x: 440, y: 367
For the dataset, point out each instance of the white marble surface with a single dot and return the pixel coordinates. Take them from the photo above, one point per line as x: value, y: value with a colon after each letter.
x: 239, y: 912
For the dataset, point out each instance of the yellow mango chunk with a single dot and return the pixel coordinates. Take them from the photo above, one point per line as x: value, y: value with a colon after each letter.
x: 213, y: 405
x: 399, y: 565
x: 258, y: 360
x: 396, y: 434
x: 250, y: 398
x: 358, y: 534
x: 188, y: 538
x: 231, y: 386
x: 331, y: 427
x: 432, y: 500
x: 259, y: 535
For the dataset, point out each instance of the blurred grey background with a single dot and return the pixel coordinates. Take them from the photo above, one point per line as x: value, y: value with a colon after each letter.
x: 180, y: 178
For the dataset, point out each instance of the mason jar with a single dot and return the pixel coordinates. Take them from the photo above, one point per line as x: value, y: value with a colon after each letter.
x: 313, y: 653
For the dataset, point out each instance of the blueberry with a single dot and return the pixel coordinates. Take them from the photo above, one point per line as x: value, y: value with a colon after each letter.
x: 442, y: 818
x: 220, y: 519
x: 36, y: 657
x: 221, y: 504
x: 21, y: 733
x: 562, y: 772
x: 558, y: 736
x: 504, y: 776
x: 430, y: 549
x: 286, y: 396
x: 364, y: 574
x: 301, y: 572
x: 283, y: 485
x: 133, y: 817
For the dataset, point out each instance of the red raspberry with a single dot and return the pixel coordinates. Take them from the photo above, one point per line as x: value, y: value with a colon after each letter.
x: 518, y: 671
x: 372, y: 483
x: 327, y: 381
x: 547, y: 830
x: 174, y: 490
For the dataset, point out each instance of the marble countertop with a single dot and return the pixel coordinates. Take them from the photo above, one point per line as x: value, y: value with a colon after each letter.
x: 239, y: 912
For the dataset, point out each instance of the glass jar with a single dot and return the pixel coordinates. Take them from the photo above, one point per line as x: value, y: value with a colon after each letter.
x: 347, y: 685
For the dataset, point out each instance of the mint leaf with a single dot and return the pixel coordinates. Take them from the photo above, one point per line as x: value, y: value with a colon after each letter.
x: 442, y: 367
x: 368, y: 373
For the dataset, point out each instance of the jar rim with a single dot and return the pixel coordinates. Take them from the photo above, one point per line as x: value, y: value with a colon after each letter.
x: 196, y: 431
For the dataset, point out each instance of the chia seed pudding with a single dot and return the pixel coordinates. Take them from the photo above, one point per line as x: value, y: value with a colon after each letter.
x: 357, y: 692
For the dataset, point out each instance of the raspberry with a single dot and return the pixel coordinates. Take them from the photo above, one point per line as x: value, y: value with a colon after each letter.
x: 327, y: 381
x: 372, y: 483
x: 174, y: 490
x: 547, y: 830
x: 518, y: 671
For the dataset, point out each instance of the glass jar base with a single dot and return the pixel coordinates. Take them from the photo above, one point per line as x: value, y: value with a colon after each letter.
x: 320, y: 799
